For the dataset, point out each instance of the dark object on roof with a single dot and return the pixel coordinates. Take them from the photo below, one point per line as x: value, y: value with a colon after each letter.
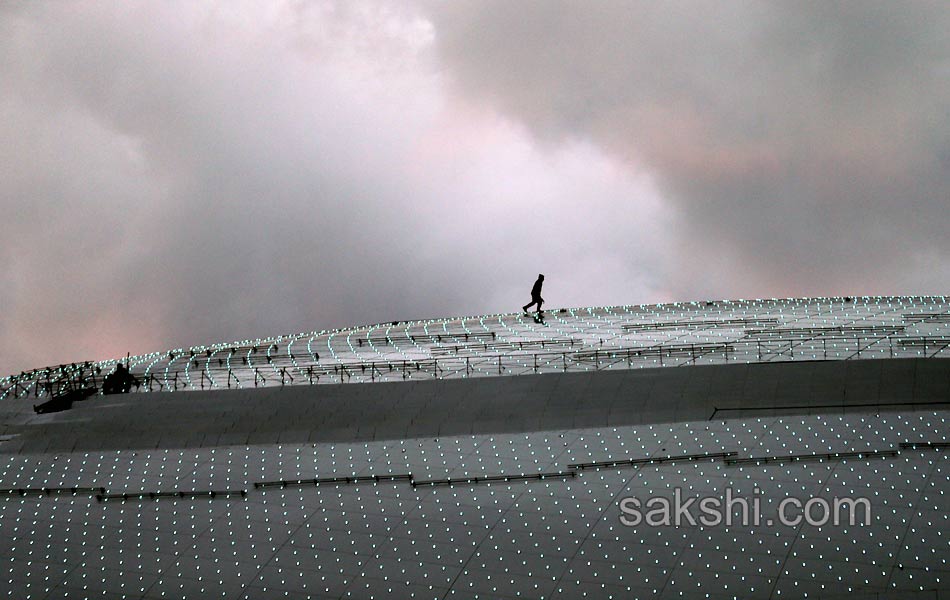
x: 119, y: 381
x: 64, y: 401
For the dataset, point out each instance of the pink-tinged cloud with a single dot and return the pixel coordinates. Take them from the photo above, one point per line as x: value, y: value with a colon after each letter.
x: 186, y: 174
x: 191, y: 174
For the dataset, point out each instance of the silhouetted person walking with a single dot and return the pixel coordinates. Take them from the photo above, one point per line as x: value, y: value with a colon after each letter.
x: 535, y: 294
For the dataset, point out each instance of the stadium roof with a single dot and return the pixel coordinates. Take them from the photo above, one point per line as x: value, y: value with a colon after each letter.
x: 440, y: 479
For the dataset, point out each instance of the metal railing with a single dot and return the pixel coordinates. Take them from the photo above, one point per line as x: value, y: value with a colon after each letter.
x: 199, y: 371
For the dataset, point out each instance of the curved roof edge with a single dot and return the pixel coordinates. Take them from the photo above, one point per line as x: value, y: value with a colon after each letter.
x: 565, y: 339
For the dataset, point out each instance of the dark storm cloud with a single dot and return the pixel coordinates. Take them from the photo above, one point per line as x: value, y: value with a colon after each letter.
x: 805, y: 146
x: 204, y: 172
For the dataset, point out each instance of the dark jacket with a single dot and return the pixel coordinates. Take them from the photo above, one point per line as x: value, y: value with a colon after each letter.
x: 536, y: 290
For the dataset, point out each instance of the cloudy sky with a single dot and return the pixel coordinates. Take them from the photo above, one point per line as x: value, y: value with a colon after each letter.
x: 183, y: 172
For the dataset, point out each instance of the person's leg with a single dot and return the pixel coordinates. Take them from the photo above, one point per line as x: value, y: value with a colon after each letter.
x: 535, y: 301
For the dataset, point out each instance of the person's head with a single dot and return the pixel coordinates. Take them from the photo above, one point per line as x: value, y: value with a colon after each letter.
x: 540, y: 276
